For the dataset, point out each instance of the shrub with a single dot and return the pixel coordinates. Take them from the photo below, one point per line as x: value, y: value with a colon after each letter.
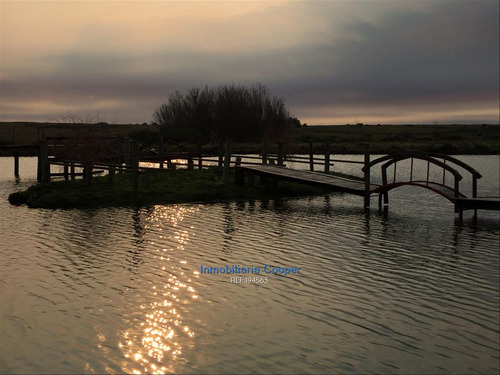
x: 240, y: 113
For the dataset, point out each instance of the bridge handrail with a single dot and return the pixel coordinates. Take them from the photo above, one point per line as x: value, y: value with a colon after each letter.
x: 399, y: 157
x: 456, y: 161
x: 427, y: 156
x: 394, y: 158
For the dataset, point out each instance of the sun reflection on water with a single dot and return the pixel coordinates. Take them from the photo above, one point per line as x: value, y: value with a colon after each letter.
x: 157, y: 343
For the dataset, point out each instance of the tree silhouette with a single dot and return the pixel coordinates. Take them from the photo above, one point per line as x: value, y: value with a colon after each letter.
x: 237, y: 112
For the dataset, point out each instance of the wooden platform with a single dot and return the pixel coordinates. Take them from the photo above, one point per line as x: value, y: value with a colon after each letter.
x: 310, y: 178
x: 478, y: 203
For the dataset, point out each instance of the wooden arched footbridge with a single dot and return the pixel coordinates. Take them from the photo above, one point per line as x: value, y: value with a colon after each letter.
x: 449, y: 185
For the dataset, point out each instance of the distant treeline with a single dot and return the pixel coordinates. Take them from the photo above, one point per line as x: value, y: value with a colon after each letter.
x: 243, y: 114
x: 343, y: 139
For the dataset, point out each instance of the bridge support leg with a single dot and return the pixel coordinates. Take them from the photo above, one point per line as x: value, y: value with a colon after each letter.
x: 380, y: 200
x: 386, y: 198
x: 367, y: 175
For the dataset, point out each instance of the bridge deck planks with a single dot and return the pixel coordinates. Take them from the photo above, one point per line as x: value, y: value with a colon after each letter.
x: 311, y: 178
x: 479, y: 203
x: 446, y: 191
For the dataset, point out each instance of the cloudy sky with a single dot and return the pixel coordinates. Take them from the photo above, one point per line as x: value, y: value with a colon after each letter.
x: 334, y: 62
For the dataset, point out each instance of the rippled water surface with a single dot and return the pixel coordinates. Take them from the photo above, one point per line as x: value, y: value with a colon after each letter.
x: 407, y: 290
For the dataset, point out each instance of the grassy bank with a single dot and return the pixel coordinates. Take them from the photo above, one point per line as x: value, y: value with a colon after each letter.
x: 481, y: 139
x: 164, y: 187
x: 385, y: 139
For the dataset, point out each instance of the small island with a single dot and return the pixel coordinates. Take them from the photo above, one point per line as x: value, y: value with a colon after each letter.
x: 180, y: 186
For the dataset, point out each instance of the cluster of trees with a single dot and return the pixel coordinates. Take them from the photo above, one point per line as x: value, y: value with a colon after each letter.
x: 75, y: 118
x: 243, y: 114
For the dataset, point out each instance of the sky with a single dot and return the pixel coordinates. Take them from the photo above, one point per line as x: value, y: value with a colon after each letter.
x: 333, y: 62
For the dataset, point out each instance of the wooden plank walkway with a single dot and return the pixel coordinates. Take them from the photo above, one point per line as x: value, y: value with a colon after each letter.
x: 445, y: 191
x: 310, y: 178
x: 478, y: 203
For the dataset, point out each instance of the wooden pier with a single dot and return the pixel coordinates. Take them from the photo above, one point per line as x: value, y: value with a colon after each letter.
x: 448, y: 188
x: 309, y: 178
x: 88, y: 156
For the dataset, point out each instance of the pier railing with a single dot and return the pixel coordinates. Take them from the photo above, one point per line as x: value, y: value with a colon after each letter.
x: 86, y: 156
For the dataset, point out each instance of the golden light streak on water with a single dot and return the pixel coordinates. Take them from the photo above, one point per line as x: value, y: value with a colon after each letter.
x: 162, y: 334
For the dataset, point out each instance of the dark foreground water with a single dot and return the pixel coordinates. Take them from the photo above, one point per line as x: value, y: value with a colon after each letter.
x: 120, y: 290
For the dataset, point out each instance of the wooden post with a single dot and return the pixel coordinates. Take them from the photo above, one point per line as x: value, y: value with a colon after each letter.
x: 190, y: 163
x: 281, y: 154
x: 44, y: 163
x: 327, y: 157
x: 16, y: 163
x: 250, y: 178
x: 474, y: 191
x: 384, y: 183
x: 87, y: 173
x: 147, y: 178
x: 227, y: 162
x: 311, y: 155
x: 239, y: 175
x: 161, y: 142
x: 221, y: 153
x: 39, y: 164
x: 264, y: 150
x: 111, y: 175
x: 126, y: 147
x: 200, y: 157
x: 72, y: 171
x: 367, y: 175
x: 66, y: 176
x: 135, y: 167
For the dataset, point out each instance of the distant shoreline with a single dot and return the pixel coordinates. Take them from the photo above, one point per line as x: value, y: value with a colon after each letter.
x: 455, y: 139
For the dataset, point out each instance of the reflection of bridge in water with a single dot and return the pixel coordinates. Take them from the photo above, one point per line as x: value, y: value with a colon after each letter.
x: 448, y: 188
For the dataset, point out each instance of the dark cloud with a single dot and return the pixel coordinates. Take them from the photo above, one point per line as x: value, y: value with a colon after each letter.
x: 442, y: 55
x: 449, y: 53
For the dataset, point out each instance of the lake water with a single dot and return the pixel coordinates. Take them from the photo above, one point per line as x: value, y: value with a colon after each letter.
x: 407, y: 290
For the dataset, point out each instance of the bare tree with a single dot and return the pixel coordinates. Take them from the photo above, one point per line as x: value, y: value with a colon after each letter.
x: 236, y: 112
